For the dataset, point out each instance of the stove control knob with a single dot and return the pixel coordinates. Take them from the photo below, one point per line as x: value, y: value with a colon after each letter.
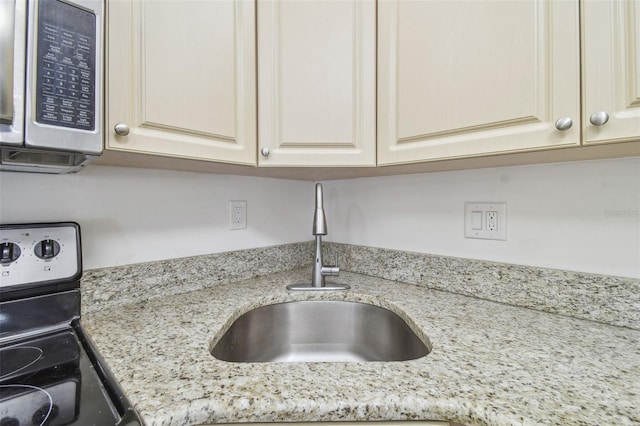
x: 8, y: 253
x: 47, y: 249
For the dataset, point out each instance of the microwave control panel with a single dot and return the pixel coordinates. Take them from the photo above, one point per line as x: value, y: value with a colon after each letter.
x: 66, y: 66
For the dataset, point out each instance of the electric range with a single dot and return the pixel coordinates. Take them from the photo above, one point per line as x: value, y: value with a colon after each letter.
x: 50, y: 372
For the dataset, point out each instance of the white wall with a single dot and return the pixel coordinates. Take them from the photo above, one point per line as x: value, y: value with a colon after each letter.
x: 136, y: 215
x: 577, y: 216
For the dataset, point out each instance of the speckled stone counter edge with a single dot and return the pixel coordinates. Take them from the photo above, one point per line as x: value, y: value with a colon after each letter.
x: 610, y: 300
x: 601, y: 298
x: 122, y: 285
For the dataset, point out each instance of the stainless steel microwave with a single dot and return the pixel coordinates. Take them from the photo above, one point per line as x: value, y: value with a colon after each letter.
x: 51, y: 84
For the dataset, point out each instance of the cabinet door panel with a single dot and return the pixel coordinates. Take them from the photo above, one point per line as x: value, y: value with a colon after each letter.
x: 182, y: 76
x: 316, y: 68
x: 314, y: 74
x: 466, y: 78
x: 180, y: 83
x: 611, y: 55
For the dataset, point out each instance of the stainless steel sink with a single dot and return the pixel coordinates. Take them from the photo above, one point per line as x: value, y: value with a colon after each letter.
x: 319, y: 331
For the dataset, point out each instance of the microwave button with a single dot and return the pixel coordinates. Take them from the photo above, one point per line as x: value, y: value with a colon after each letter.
x: 53, y: 48
x: 83, y: 114
x: 48, y: 89
x: 51, y: 56
x: 82, y: 54
x: 86, y: 106
x: 50, y: 29
x: 51, y: 38
x: 83, y: 122
x: 51, y: 108
x: 69, y: 43
x: 50, y: 116
x: 68, y: 103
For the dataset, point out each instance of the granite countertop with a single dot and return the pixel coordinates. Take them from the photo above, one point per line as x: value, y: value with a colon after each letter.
x: 491, y: 363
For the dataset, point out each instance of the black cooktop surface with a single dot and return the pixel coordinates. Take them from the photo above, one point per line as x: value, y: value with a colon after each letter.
x: 50, y: 380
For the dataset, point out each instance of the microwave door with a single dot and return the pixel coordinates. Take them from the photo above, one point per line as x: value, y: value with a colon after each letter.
x: 13, y: 34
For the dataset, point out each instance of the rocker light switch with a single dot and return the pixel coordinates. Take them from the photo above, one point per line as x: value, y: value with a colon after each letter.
x: 476, y: 220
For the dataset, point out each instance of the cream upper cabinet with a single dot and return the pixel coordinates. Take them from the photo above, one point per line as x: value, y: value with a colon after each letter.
x: 182, y: 79
x: 317, y: 82
x: 467, y: 78
x: 611, y: 70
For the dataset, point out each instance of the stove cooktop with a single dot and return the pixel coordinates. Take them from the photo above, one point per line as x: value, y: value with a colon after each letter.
x: 50, y: 380
x: 50, y: 372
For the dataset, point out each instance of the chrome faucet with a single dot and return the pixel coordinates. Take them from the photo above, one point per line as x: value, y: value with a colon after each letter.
x: 319, y: 229
x: 320, y: 270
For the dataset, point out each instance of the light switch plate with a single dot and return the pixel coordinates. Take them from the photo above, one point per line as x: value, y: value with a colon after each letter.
x: 486, y: 221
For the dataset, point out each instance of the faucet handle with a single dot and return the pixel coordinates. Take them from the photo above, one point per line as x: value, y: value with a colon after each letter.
x: 332, y: 270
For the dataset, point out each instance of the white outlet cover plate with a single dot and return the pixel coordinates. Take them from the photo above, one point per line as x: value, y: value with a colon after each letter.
x: 237, y: 215
x: 471, y: 228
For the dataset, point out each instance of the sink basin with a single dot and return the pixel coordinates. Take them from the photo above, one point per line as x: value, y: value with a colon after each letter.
x: 319, y: 331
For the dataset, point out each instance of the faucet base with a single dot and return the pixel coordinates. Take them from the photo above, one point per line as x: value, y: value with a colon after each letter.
x: 326, y: 287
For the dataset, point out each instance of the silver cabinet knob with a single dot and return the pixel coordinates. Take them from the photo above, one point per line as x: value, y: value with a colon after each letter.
x: 265, y: 152
x: 121, y: 129
x: 564, y: 123
x: 599, y: 118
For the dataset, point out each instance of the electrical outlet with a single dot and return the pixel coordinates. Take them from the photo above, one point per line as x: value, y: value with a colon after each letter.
x: 486, y: 221
x: 492, y: 221
x: 237, y: 215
